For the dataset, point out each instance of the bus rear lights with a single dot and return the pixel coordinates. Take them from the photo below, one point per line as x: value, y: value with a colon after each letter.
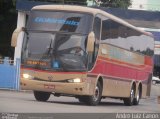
x: 27, y: 76
x: 76, y: 80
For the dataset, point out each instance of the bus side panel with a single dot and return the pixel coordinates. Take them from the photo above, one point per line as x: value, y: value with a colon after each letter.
x: 116, y: 88
x: 118, y: 74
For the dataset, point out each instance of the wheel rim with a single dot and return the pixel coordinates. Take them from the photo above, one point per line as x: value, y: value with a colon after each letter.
x: 132, y: 95
x: 96, y: 95
x: 137, y: 97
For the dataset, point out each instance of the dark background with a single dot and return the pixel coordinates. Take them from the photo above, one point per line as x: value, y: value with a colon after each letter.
x: 8, y: 21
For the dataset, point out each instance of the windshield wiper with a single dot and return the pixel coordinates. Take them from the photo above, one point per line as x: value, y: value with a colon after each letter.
x: 50, y: 47
x: 45, y: 55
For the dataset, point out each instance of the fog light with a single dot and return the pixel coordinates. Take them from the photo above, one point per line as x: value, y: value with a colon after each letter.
x: 76, y: 80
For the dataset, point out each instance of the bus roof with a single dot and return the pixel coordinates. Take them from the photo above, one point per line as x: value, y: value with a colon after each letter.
x: 68, y: 8
x: 93, y: 11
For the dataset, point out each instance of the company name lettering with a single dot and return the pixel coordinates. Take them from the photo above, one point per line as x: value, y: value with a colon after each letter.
x: 53, y: 20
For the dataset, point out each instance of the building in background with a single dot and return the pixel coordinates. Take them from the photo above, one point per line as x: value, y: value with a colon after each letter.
x: 150, y: 5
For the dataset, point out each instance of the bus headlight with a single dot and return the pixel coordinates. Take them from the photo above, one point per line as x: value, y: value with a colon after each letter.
x: 76, y: 80
x: 27, y: 76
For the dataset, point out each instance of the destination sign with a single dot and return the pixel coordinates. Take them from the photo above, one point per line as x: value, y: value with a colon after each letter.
x: 30, y: 62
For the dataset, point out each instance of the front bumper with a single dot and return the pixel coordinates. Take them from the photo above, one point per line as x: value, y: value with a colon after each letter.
x: 57, y: 87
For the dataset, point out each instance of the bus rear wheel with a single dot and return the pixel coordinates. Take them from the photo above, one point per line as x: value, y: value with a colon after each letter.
x: 137, y: 97
x: 94, y: 99
x: 41, y: 96
x: 129, y: 101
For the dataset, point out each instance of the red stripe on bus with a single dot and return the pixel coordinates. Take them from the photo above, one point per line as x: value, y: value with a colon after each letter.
x: 53, y: 71
x: 115, y: 70
x: 148, y: 61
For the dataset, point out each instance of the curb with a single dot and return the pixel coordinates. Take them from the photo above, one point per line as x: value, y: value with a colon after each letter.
x: 23, y: 91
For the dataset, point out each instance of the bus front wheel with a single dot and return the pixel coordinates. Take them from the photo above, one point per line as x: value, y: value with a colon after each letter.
x: 94, y: 99
x: 41, y: 96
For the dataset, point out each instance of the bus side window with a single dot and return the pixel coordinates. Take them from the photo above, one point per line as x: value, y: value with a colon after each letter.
x: 106, y: 29
x: 97, y: 27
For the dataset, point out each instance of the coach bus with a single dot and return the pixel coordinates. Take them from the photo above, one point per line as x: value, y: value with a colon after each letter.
x: 86, y: 53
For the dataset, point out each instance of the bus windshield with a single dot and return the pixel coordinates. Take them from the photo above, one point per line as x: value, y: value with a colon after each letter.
x: 56, y: 40
x: 54, y: 51
x: 60, y: 21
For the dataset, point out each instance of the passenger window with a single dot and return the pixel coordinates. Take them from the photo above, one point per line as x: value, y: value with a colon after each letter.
x: 97, y: 27
x: 106, y: 25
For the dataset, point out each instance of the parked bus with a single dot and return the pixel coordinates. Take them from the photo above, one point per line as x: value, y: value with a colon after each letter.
x: 86, y: 53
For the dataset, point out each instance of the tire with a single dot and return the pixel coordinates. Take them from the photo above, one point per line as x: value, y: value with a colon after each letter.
x: 41, y: 96
x: 82, y: 99
x: 137, y: 97
x: 129, y: 101
x: 94, y: 99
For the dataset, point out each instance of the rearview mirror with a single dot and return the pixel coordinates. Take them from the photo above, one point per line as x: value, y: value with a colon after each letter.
x: 90, y: 43
x: 15, y: 36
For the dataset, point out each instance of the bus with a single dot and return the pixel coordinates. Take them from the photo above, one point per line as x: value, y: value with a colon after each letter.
x: 86, y: 53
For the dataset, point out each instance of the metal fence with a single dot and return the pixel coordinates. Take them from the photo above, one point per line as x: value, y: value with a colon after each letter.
x: 9, y: 74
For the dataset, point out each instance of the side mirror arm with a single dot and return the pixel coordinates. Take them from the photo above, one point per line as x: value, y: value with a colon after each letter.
x: 15, y: 36
x: 91, y: 41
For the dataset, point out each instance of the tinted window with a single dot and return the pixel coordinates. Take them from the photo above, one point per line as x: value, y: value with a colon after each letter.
x: 105, y: 34
x: 109, y: 29
x: 96, y: 27
x: 54, y: 51
x: 60, y: 21
x: 139, y: 42
x: 127, y: 38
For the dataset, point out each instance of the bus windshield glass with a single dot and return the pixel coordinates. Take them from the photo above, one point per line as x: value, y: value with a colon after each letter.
x: 56, y: 40
x: 60, y: 21
x: 54, y: 51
